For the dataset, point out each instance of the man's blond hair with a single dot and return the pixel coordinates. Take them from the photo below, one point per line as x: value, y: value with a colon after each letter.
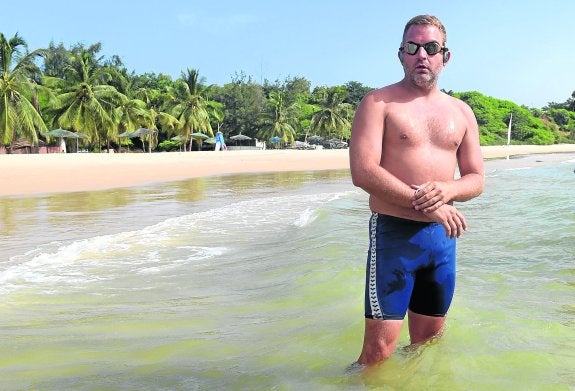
x: 426, y: 20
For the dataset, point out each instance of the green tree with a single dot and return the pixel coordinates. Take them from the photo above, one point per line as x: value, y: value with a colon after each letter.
x: 18, y: 114
x: 132, y: 114
x: 297, y: 90
x: 152, y: 88
x: 295, y: 93
x: 570, y: 103
x: 493, y: 118
x: 216, y: 112
x: 190, y: 106
x: 564, y: 120
x: 279, y: 120
x: 333, y: 117
x: 244, y: 102
x: 86, y: 103
x: 55, y: 60
x: 355, y: 91
x: 146, y: 94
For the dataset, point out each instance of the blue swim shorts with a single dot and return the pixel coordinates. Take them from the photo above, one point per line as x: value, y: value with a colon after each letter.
x: 410, y: 264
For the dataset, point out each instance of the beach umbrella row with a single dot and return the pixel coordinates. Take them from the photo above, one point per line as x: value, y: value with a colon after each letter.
x: 202, y: 137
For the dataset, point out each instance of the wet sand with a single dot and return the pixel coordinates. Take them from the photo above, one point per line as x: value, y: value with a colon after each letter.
x: 56, y: 173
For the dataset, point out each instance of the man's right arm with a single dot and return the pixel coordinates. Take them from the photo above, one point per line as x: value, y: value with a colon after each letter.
x: 366, y: 151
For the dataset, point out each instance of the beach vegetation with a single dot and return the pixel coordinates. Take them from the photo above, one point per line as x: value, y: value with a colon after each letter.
x: 527, y: 126
x: 333, y: 119
x: 132, y: 114
x: 279, y: 118
x: 79, y: 90
x: 55, y: 61
x: 189, y: 104
x: 355, y: 91
x: 243, y: 103
x: 145, y: 95
x: 296, y: 92
x: 216, y: 113
x: 170, y: 146
x: 564, y: 120
x: 19, y: 89
x: 85, y: 102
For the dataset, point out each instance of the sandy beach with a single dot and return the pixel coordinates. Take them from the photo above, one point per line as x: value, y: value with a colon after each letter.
x: 37, y: 174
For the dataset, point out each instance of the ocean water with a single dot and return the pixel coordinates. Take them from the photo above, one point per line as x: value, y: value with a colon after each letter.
x: 255, y: 282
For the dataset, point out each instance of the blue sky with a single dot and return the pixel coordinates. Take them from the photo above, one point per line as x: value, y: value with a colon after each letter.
x: 521, y: 51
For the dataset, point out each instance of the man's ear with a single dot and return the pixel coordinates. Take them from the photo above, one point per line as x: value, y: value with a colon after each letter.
x: 446, y: 57
x: 400, y: 56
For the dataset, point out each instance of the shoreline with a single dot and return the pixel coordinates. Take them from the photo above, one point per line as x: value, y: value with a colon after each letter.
x: 28, y: 175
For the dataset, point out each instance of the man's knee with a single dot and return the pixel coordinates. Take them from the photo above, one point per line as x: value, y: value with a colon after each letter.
x: 423, y: 328
x: 380, y: 339
x: 375, y: 352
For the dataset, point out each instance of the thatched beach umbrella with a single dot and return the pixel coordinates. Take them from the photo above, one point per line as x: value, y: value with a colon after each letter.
x: 240, y: 137
x: 77, y: 136
x: 126, y: 134
x: 200, y: 137
x: 63, y: 133
x: 142, y: 132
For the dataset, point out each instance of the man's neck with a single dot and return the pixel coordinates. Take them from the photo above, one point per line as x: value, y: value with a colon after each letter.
x: 419, y: 91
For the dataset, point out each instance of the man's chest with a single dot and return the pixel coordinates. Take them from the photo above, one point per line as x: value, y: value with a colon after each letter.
x: 416, y: 127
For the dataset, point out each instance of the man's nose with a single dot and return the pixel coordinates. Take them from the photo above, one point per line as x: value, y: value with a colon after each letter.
x: 421, y: 52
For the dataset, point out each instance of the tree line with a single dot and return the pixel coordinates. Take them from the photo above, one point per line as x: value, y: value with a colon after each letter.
x: 79, y: 90
x: 552, y: 124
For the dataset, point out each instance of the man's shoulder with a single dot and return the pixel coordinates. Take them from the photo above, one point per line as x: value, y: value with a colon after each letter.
x: 388, y: 89
x: 383, y: 95
x: 458, y: 103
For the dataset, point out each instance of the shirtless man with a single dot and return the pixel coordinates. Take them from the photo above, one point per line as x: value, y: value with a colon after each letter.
x: 407, y: 141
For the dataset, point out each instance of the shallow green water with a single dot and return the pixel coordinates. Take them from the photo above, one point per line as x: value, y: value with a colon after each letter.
x: 255, y: 282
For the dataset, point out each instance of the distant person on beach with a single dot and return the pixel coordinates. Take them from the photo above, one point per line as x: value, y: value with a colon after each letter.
x: 220, y: 143
x: 407, y: 140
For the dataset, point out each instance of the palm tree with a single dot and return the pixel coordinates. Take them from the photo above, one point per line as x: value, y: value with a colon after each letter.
x: 190, y: 106
x: 216, y: 112
x: 279, y: 120
x: 139, y: 109
x: 333, y: 118
x: 86, y: 103
x: 570, y: 103
x: 18, y: 115
x: 132, y: 114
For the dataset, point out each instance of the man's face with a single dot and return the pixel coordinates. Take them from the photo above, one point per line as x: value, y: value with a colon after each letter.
x: 421, y: 68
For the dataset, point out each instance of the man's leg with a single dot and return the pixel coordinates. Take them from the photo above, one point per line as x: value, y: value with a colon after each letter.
x: 433, y: 288
x: 422, y: 327
x: 379, y: 340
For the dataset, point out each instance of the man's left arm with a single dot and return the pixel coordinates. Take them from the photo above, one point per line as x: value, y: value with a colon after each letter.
x: 431, y: 195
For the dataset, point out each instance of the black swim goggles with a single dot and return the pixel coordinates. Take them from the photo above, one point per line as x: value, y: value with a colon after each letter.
x: 430, y: 48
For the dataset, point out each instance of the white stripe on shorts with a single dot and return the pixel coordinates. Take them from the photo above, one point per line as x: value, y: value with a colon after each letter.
x: 373, y: 299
